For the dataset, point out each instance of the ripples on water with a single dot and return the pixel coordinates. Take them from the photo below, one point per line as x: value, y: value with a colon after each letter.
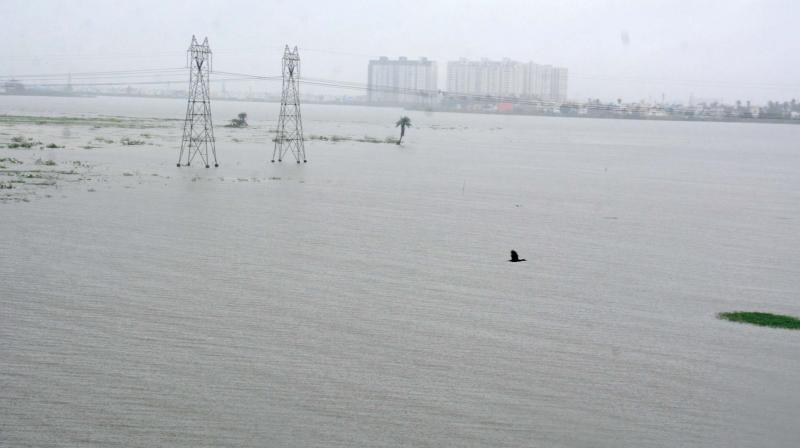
x: 364, y: 299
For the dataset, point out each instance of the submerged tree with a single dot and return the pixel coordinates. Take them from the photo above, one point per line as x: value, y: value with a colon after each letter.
x: 403, y: 122
x: 239, y: 122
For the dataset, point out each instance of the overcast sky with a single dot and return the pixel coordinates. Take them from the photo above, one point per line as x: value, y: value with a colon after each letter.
x: 728, y: 49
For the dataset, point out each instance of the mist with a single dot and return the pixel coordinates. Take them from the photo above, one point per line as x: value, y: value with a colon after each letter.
x: 714, y: 50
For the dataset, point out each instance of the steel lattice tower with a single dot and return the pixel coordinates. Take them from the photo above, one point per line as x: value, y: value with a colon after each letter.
x: 198, y: 131
x: 290, y: 124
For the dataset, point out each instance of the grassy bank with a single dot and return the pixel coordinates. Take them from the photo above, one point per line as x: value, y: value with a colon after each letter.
x: 341, y: 138
x: 94, y: 122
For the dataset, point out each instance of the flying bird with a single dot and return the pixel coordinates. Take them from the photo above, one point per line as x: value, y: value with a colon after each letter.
x: 515, y: 258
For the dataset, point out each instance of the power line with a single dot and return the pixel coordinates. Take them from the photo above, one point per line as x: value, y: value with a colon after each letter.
x: 95, y: 79
x: 250, y: 77
x: 129, y: 83
x: 258, y: 49
x: 343, y: 84
x: 98, y: 73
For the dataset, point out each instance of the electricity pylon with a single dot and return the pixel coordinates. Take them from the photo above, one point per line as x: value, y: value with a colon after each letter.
x: 290, y: 124
x: 198, y: 131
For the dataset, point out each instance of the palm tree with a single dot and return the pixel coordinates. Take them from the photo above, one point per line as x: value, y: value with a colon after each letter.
x: 403, y: 122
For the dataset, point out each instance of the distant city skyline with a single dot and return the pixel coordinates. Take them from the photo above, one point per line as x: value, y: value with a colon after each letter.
x: 416, y: 81
x: 725, y: 50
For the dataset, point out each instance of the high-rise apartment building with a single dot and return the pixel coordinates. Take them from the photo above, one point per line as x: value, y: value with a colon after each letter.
x: 507, y: 78
x: 402, y: 81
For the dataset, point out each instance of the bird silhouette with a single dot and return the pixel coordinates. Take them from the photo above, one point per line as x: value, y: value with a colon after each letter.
x: 515, y: 258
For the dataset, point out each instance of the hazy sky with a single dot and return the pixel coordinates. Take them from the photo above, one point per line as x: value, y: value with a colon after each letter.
x: 728, y: 49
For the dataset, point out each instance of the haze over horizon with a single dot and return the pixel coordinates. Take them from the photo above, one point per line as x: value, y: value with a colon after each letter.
x: 711, y: 50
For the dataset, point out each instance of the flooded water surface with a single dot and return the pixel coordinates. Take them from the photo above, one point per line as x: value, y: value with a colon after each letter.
x: 364, y: 298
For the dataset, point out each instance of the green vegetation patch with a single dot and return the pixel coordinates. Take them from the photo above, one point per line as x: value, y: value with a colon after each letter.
x: 341, y: 138
x: 368, y: 139
x: 23, y: 142
x: 763, y: 319
x: 94, y: 122
x: 332, y: 138
x: 127, y: 141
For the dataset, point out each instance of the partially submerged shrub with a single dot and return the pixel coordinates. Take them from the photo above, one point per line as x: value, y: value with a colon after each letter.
x: 26, y: 145
x: 127, y: 141
x: 23, y: 142
x: 239, y: 122
x: 340, y: 138
x: 368, y: 139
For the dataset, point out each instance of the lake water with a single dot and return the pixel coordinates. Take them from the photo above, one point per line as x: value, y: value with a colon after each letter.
x: 364, y: 298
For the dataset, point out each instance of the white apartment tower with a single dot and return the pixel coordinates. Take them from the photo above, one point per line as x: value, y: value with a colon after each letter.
x: 402, y: 81
x: 507, y: 78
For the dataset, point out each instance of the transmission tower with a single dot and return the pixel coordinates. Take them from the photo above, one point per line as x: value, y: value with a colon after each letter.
x: 198, y: 131
x: 290, y: 124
